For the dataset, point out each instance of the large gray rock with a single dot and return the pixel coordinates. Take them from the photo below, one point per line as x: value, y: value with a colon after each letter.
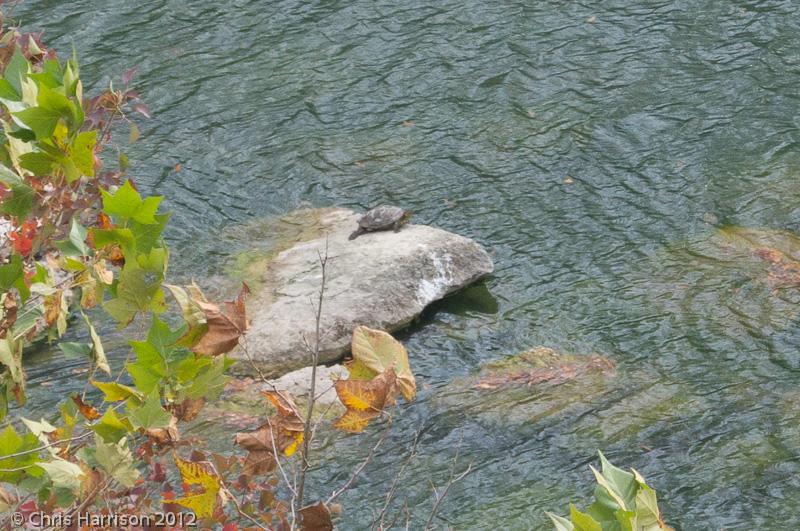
x: 382, y: 280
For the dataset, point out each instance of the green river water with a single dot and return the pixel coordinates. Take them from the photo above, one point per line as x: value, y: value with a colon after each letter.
x: 667, y: 119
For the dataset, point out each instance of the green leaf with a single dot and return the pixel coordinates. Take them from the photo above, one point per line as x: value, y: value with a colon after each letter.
x: 39, y: 120
x: 144, y: 378
x: 148, y: 235
x: 122, y: 237
x: 582, y: 521
x: 111, y: 428
x: 11, y: 443
x: 114, y: 392
x: 151, y: 414
x: 126, y: 203
x: 623, y: 483
x: 7, y: 91
x: 38, y: 162
x: 11, y: 273
x: 210, y: 382
x: 75, y: 350
x: 139, y: 288
x: 76, y: 244
x: 117, y: 460
x: 22, y: 195
x: 148, y: 356
x: 560, y: 523
x: 82, y: 152
x: 15, y: 70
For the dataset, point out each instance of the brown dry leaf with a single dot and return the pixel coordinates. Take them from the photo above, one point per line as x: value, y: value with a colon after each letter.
x: 225, y: 325
x: 87, y: 410
x: 286, y: 409
x: 165, y: 436
x: 315, y: 517
x: 52, y: 307
x: 105, y: 275
x: 90, y: 479
x: 188, y: 409
x: 282, y: 433
x: 9, y: 313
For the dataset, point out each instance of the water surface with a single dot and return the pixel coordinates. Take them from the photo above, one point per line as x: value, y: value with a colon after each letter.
x: 587, y: 145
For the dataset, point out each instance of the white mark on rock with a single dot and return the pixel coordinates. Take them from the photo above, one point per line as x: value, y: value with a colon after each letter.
x: 431, y: 289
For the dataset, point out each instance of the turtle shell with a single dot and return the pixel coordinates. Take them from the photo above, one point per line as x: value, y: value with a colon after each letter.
x: 381, y: 218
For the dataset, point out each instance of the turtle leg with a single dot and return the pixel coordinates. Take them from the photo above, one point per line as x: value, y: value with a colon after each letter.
x: 396, y: 226
x: 356, y: 233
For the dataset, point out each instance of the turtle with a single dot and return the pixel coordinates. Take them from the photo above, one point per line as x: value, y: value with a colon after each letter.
x: 383, y: 217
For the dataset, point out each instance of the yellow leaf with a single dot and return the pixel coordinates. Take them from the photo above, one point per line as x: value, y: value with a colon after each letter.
x: 355, y: 421
x: 202, y: 504
x: 378, y: 351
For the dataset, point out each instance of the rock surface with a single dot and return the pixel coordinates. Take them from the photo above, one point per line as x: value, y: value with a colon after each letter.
x: 382, y: 280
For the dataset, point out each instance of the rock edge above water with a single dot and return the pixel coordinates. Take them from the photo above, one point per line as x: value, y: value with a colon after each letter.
x: 382, y: 280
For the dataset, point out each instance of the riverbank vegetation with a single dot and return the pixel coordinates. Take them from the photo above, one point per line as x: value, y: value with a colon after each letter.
x: 82, y: 240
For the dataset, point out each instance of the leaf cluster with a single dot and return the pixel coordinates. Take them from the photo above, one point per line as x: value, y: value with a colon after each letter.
x: 623, y: 502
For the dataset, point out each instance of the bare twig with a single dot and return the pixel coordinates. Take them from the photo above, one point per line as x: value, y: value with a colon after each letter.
x: 236, y: 503
x: 450, y: 482
x: 363, y: 464
x: 48, y: 445
x: 380, y: 519
x: 307, y: 433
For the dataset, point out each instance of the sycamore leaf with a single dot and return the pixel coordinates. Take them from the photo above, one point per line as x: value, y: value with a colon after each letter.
x: 315, y: 517
x: 11, y: 443
x: 150, y: 414
x: 112, y: 428
x: 165, y: 436
x: 117, y: 460
x: 378, y: 350
x: 115, y: 392
x: 561, y: 523
x: 63, y: 474
x: 97, y: 348
x: 355, y: 421
x: 88, y: 411
x: 365, y: 400
x: 202, y: 503
x: 126, y: 203
x: 583, y: 521
x: 225, y: 325
x: 11, y: 357
x: 281, y: 434
x: 193, y: 314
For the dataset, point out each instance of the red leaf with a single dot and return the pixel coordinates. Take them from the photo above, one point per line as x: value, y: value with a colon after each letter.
x: 127, y: 75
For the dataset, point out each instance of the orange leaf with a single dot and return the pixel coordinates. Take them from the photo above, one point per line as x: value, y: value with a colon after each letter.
x: 87, y: 410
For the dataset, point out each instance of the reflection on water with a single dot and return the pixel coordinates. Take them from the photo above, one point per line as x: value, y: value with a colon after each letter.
x: 586, y: 145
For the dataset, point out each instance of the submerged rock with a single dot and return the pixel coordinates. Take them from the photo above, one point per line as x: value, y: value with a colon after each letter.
x: 532, y: 386
x: 243, y: 405
x: 382, y: 280
x: 540, y: 365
